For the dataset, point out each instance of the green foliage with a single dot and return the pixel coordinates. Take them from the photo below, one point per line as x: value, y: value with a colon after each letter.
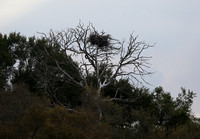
x: 26, y: 61
x: 119, y: 89
x: 50, y: 79
x: 26, y: 109
x: 185, y: 99
x: 6, y: 59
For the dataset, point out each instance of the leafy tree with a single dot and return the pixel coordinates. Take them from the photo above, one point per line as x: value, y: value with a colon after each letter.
x: 185, y: 99
x: 172, y: 113
x: 52, y: 81
x: 6, y: 60
x: 77, y: 71
x: 25, y: 61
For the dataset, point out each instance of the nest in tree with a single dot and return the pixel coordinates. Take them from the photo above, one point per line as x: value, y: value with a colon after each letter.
x: 99, y: 40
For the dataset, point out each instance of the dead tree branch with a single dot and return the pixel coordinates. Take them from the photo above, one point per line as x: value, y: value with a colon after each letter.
x: 92, y: 49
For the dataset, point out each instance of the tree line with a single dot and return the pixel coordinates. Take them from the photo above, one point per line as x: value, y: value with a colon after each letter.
x: 81, y: 83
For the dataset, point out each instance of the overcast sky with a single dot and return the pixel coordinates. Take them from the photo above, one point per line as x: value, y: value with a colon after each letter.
x: 174, y: 25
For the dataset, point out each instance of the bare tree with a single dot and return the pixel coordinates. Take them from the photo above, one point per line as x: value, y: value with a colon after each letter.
x: 92, y: 49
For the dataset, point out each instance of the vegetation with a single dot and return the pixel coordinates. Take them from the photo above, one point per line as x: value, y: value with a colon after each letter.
x: 66, y: 85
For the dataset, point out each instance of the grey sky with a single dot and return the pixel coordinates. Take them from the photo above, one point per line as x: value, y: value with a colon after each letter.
x: 174, y: 25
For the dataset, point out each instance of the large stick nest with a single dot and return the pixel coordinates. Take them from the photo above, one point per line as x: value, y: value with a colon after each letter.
x: 100, y: 41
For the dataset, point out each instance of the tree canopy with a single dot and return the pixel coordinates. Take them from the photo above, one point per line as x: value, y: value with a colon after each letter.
x: 76, y: 84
